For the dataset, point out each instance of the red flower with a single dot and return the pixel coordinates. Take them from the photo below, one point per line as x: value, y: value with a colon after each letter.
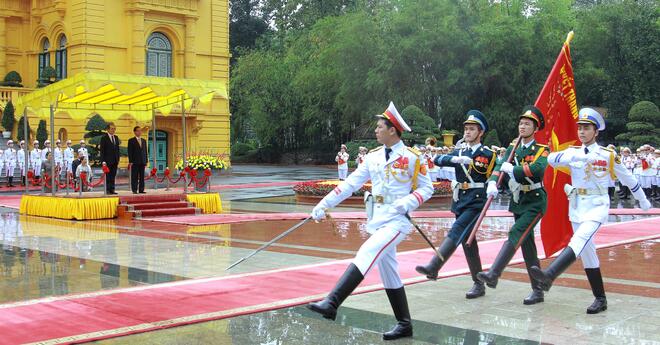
x: 187, y: 169
x: 207, y: 172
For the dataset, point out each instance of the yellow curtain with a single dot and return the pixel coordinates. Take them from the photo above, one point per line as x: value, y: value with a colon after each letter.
x: 69, y: 208
x: 209, y: 203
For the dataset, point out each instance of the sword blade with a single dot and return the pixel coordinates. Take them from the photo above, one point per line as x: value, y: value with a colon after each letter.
x: 269, y: 243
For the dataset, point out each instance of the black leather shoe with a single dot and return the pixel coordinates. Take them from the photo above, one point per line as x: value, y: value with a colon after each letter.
x: 346, y: 284
x: 477, y: 290
x: 600, y: 304
x: 431, y: 269
x: 399, y: 303
x: 535, y: 297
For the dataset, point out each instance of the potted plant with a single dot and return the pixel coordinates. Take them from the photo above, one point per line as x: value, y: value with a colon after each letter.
x: 13, y: 79
x: 8, y: 120
x: 47, y: 77
x: 448, y: 137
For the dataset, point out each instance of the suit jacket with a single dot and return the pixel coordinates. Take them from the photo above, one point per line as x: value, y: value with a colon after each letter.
x: 137, y: 154
x: 109, y: 152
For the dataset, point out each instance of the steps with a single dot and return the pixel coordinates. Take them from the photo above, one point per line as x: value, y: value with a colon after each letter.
x: 154, y: 205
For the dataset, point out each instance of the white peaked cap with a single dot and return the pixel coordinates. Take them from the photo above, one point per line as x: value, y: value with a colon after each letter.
x: 395, y: 118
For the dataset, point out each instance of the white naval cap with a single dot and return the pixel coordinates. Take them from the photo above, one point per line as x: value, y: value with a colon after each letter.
x: 590, y: 116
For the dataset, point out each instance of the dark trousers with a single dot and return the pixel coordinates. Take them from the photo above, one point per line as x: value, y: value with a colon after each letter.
x: 459, y: 233
x: 110, y: 178
x: 137, y: 177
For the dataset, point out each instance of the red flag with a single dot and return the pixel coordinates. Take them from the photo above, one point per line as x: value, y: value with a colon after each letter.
x: 558, y: 103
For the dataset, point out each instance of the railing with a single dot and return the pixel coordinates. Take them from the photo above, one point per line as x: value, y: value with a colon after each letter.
x: 8, y: 93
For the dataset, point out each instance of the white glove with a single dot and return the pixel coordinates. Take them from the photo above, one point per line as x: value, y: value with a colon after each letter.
x: 507, y: 168
x: 400, y: 206
x: 645, y: 204
x: 461, y: 160
x: 491, y: 191
x: 318, y: 213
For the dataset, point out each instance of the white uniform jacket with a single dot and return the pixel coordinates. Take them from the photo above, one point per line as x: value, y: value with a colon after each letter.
x: 391, y: 180
x: 588, y: 196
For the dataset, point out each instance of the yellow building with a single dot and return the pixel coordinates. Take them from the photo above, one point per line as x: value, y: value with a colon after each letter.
x: 168, y: 38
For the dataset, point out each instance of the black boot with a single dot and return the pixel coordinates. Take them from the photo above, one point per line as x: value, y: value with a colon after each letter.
x: 503, y: 257
x: 474, y: 263
x: 610, y: 192
x: 536, y: 296
x: 22, y: 180
x: 557, y: 267
x: 596, y: 282
x: 11, y: 181
x: 430, y: 270
x: 346, y: 284
x: 399, y: 304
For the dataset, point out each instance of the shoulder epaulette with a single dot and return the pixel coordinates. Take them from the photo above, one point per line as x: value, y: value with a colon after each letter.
x: 541, y: 145
x: 608, y: 150
x: 486, y: 148
x: 575, y: 147
x: 376, y: 149
x: 414, y: 150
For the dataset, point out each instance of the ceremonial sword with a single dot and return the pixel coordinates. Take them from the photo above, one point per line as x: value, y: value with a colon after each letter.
x: 425, y: 238
x: 269, y: 243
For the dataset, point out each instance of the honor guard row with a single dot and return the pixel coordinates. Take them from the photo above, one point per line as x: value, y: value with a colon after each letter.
x: 401, y: 183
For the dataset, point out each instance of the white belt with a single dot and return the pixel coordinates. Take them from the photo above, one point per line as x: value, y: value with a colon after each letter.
x: 589, y: 191
x: 466, y: 185
x: 387, y: 199
x: 525, y: 188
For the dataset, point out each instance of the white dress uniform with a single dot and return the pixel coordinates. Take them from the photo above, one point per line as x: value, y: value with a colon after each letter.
x: 400, y: 184
x: 2, y: 162
x: 58, y: 156
x: 20, y: 157
x: 11, y: 160
x: 359, y: 159
x: 35, y: 161
x: 391, y: 182
x: 342, y: 164
x: 68, y: 159
x: 588, y: 199
x: 646, y: 175
x: 84, y: 151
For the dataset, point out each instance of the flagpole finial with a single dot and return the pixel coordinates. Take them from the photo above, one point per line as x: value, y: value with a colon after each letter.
x: 569, y: 37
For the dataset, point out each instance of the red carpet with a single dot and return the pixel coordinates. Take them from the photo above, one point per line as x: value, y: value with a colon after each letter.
x: 210, y: 219
x: 10, y: 201
x: 254, y: 185
x: 106, y: 314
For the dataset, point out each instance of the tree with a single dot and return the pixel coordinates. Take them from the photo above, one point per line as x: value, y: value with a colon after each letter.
x: 8, y: 117
x: 422, y: 126
x: 42, y: 133
x: 492, y: 138
x: 245, y: 27
x: 95, y: 127
x: 21, y: 130
x: 643, y: 125
x: 47, y: 77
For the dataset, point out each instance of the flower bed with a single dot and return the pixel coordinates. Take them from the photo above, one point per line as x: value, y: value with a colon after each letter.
x: 320, y: 188
x: 204, y: 161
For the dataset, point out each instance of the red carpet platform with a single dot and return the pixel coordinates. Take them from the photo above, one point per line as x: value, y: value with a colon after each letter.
x: 106, y: 314
x: 229, y: 218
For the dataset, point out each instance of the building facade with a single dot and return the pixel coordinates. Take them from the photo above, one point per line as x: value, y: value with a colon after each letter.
x: 168, y: 38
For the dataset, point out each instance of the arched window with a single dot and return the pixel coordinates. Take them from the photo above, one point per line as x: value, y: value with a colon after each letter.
x: 159, y: 55
x: 44, y: 56
x: 60, y: 58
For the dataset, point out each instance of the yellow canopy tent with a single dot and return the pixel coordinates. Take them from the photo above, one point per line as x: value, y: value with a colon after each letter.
x: 114, y: 95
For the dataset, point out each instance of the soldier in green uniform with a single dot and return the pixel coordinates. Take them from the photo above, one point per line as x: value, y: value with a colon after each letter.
x: 528, y: 200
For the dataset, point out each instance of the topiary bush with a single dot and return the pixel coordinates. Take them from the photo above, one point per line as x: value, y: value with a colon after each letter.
x: 13, y: 79
x: 8, y: 117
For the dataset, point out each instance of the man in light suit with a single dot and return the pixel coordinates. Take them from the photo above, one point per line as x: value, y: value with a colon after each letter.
x: 137, y: 160
x: 109, y: 148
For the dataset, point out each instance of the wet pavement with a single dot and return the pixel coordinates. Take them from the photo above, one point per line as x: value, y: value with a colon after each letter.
x: 47, y: 257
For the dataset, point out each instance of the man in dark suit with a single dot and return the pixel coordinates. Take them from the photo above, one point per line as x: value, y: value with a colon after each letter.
x: 137, y: 160
x: 109, y: 148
